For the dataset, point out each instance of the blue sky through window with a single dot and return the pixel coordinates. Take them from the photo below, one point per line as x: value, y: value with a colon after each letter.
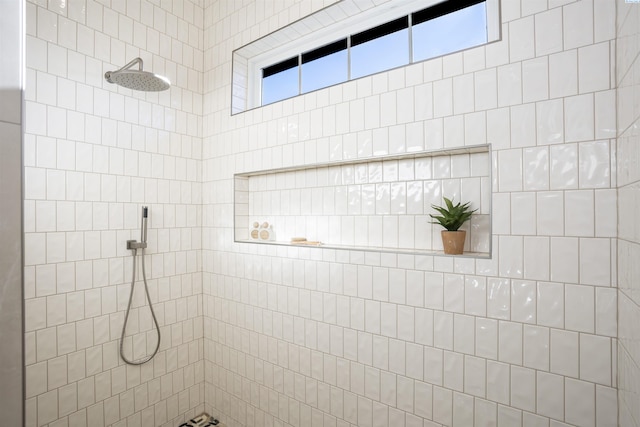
x: 434, y: 37
x: 280, y: 86
x: 382, y: 53
x: 325, y: 71
x: 450, y: 33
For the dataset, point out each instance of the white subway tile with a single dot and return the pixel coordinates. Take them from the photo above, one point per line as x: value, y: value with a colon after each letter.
x: 499, y: 298
x: 548, y: 31
x: 510, y: 343
x: 574, y: 17
x: 48, y: 407
x: 442, y: 405
x: 46, y: 344
x: 521, y: 40
x: 57, y: 61
x: 453, y: 131
x: 510, y: 84
x: 550, y: 395
x: 579, y: 308
x: 454, y: 293
x: 475, y: 296
x: 535, y: 80
x: 442, y: 98
x: 452, y: 65
x: 510, y: 172
x: 595, y: 359
x: 511, y: 256
x: 38, y: 53
x: 498, y: 382
x: 564, y: 167
x: 511, y: 11
x: 486, y: 89
x: 606, y: 311
x: 606, y: 405
x: 579, y: 402
x: 594, y: 164
x: 405, y: 394
x: 485, y: 413
x: 475, y: 128
x: 523, y: 207
x: 523, y: 386
x: 35, y: 314
x: 550, y: 122
x: 536, y: 347
x: 415, y: 361
x: 453, y: 370
x: 47, y: 25
x: 551, y: 304
x: 536, y: 258
x: 564, y: 353
x: 605, y: 122
x: 523, y: 126
x: 464, y: 334
x: 463, y: 90
x: 563, y: 74
x: 595, y: 262
x: 564, y: 259
x: 579, y: 213
x: 550, y: 213
x: 523, y: 301
x: 593, y: 66
x: 475, y: 376
x: 487, y: 338
x: 462, y: 409
x: 443, y: 330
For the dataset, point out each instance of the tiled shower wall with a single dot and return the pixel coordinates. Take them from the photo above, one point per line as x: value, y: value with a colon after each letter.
x: 94, y: 154
x: 307, y: 336
x: 628, y: 77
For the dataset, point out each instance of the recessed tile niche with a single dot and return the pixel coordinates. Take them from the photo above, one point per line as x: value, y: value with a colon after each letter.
x: 373, y: 204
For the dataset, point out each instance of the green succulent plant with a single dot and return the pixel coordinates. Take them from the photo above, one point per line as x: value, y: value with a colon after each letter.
x: 452, y: 216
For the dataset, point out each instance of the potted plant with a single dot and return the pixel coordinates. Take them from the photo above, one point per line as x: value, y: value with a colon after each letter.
x: 452, y: 217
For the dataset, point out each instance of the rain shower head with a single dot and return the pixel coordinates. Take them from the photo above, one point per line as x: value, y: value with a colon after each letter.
x: 137, y: 79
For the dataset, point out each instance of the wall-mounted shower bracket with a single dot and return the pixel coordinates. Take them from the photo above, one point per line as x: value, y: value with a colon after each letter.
x: 134, y: 244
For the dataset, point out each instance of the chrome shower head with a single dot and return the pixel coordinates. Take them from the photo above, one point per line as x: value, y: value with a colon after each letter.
x: 137, y: 79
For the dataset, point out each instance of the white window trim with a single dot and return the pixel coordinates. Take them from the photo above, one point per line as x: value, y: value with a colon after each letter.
x: 354, y: 24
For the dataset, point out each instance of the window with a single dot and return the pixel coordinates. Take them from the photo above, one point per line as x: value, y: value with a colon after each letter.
x: 444, y: 28
x: 380, y: 48
x: 454, y: 30
x: 280, y: 81
x: 352, y: 39
x: 325, y: 66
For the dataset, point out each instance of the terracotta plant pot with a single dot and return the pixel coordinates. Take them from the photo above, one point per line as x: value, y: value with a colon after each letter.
x: 453, y: 241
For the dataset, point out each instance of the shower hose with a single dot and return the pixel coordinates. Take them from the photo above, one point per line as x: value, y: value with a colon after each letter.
x: 126, y: 316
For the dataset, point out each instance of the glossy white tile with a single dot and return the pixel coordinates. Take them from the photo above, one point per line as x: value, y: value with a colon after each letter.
x: 320, y: 336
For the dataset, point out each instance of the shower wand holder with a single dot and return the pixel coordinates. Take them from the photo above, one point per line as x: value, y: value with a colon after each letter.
x: 134, y: 244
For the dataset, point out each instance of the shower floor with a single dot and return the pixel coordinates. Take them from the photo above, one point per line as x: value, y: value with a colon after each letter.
x: 202, y: 420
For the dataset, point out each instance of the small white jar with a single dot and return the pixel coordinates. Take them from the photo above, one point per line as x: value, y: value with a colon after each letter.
x: 254, y: 231
x: 266, y: 232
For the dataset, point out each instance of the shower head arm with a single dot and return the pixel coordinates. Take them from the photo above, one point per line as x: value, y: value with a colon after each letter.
x: 138, y: 61
x: 131, y: 64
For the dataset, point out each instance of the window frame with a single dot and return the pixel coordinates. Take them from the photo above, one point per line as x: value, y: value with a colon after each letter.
x: 328, y: 33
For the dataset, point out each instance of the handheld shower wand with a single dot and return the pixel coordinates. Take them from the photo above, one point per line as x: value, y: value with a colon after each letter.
x: 142, y: 244
x: 134, y: 246
x: 143, y: 227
